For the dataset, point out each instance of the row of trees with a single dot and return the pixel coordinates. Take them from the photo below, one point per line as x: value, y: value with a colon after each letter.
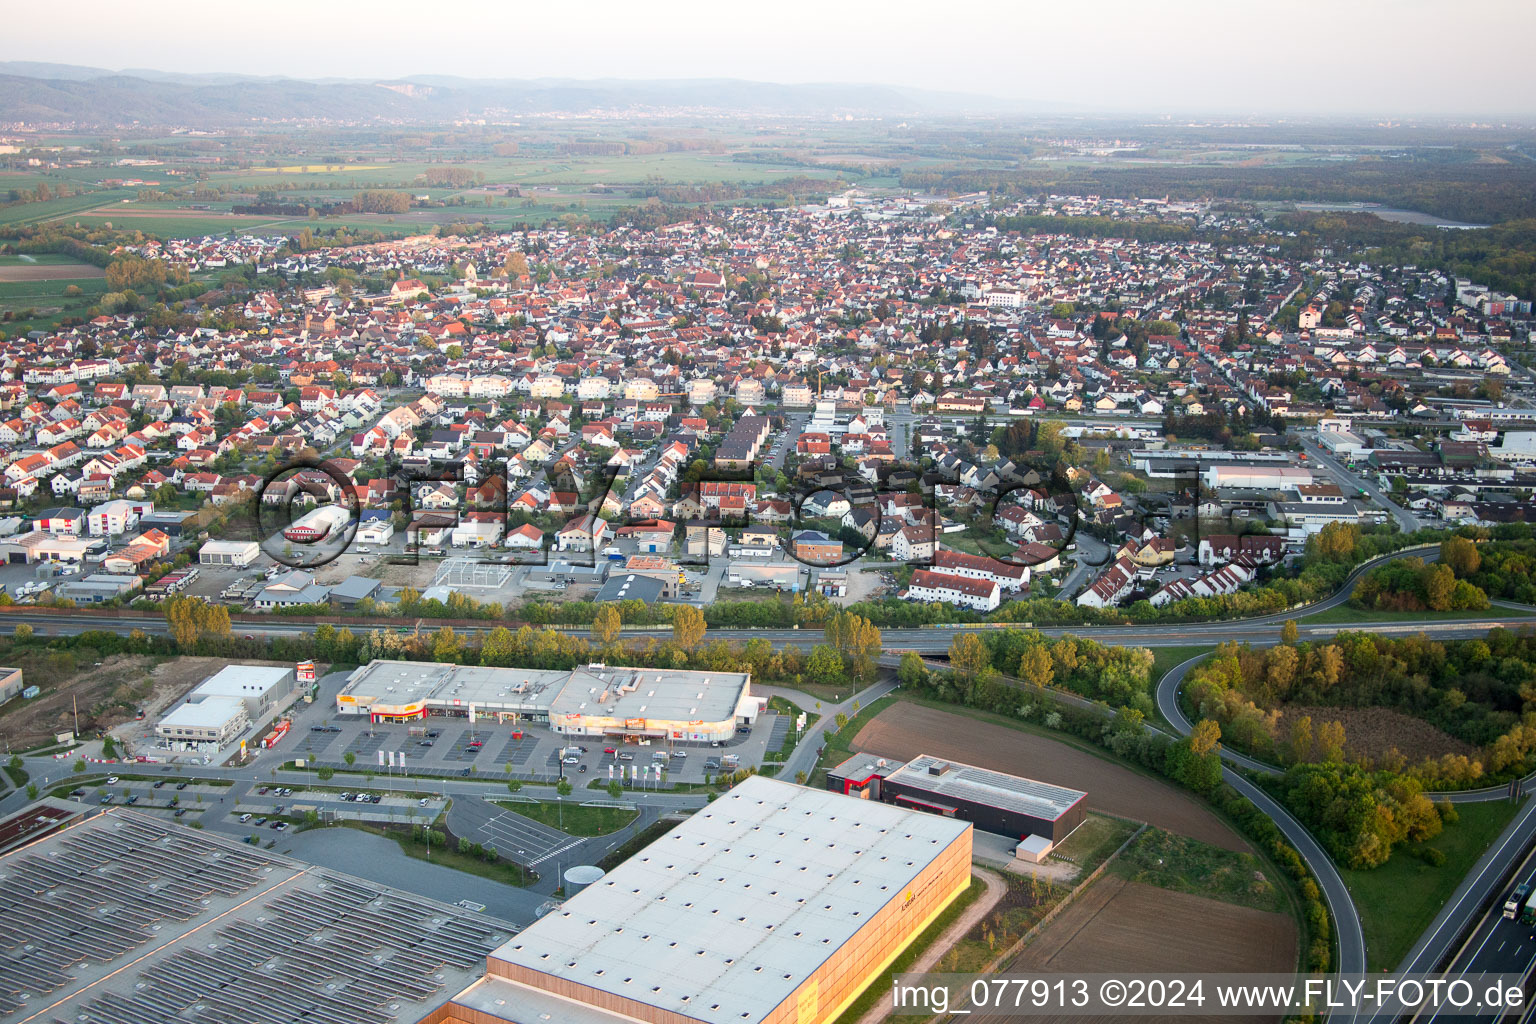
x: 1408, y: 584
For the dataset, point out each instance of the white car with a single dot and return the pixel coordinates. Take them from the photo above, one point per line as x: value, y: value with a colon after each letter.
x: 111, y: 780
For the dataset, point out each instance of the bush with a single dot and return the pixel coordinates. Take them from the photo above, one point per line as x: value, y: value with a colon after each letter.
x: 1431, y: 855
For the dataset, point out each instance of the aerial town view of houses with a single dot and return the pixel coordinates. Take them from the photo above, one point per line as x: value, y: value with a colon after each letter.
x: 816, y: 534
x: 859, y: 398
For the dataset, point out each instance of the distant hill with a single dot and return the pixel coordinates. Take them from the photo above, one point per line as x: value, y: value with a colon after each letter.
x: 31, y: 91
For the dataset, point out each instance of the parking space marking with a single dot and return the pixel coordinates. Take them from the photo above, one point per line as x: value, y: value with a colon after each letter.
x: 513, y: 833
x: 557, y: 851
x: 518, y: 752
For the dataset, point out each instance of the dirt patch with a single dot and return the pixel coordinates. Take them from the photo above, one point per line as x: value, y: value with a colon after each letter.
x: 418, y: 576
x: 1377, y: 733
x: 1118, y: 926
x: 905, y: 730
x: 93, y: 688
x: 864, y: 586
x: 107, y: 695
x: 50, y: 272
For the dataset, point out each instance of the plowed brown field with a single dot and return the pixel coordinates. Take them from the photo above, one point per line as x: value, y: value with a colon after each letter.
x: 904, y: 730
x: 1124, y: 927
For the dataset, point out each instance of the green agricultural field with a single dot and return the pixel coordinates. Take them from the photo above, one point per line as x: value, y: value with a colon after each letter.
x: 63, y: 209
x: 1398, y: 900
x: 170, y: 225
x: 42, y: 259
x: 14, y: 294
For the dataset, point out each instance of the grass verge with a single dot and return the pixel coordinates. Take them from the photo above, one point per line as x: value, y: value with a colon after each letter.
x: 836, y: 744
x: 1345, y: 613
x: 1091, y: 843
x: 877, y: 989
x: 1187, y: 865
x: 501, y: 870
x: 794, y: 711
x: 1398, y: 900
x: 637, y: 842
x: 572, y: 818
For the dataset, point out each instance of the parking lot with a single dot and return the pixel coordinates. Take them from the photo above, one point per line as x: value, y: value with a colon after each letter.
x: 489, y: 748
x: 525, y: 840
x: 263, y: 807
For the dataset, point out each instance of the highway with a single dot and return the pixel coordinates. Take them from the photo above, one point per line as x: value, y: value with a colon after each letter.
x: 1497, y: 945
x: 1260, y: 631
x: 924, y: 640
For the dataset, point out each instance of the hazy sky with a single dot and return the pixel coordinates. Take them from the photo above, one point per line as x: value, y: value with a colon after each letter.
x: 1375, y: 57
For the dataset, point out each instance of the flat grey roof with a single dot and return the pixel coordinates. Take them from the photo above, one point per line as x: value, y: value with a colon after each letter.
x: 738, y: 905
x: 980, y: 785
x: 126, y: 917
x: 631, y: 692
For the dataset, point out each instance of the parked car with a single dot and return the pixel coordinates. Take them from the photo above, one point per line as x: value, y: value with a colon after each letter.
x: 181, y: 785
x: 570, y: 760
x: 244, y: 818
x: 625, y: 755
x: 158, y: 784
x: 111, y: 780
x: 581, y: 768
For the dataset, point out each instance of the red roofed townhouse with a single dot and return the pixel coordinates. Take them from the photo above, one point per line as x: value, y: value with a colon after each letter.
x: 947, y: 588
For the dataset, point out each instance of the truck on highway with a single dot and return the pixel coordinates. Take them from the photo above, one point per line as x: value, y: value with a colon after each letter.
x: 1529, y: 916
x: 1516, y: 901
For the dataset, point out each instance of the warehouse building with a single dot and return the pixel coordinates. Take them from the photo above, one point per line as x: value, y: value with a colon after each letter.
x: 317, y: 524
x: 1263, y: 478
x: 221, y: 707
x: 775, y: 904
x: 216, y: 720
x: 592, y: 700
x: 992, y: 801
x: 127, y: 917
x: 229, y: 552
x: 10, y: 683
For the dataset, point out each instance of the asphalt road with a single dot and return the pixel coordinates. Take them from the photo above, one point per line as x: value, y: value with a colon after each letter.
x: 1351, y: 482
x: 1484, y: 882
x: 1497, y: 945
x: 1263, y: 630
